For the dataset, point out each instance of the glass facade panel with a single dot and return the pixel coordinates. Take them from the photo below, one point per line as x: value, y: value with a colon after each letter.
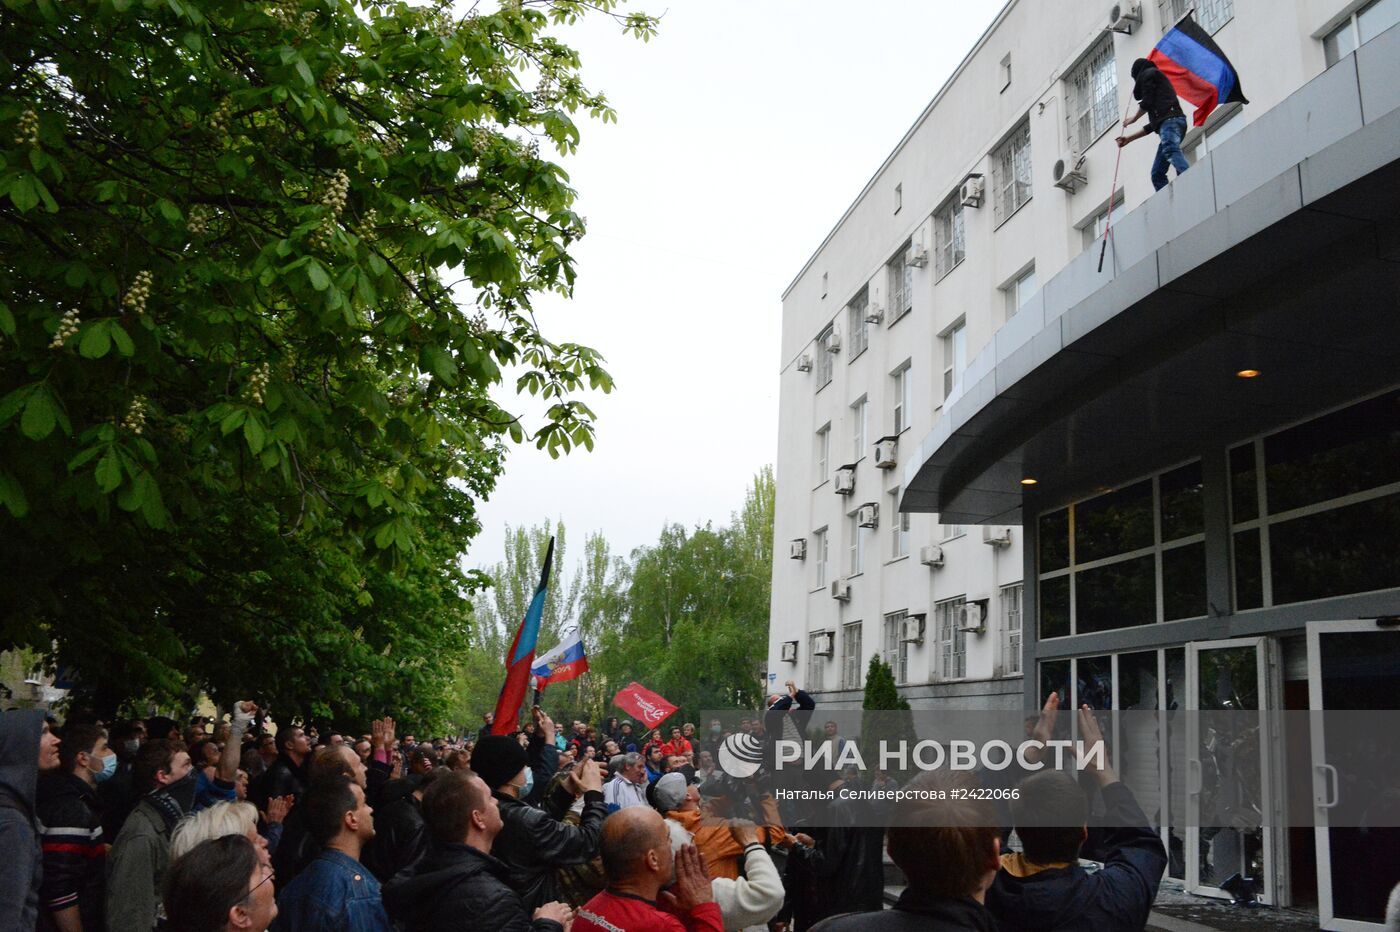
x: 1054, y: 607
x: 1348, y: 451
x: 1120, y: 595
x: 1094, y: 683
x: 1054, y: 678
x: 1113, y: 523
x: 1249, y: 572
x: 1244, y: 493
x: 1184, y: 582
x: 1182, y: 511
x: 1336, y: 552
x: 1054, y: 540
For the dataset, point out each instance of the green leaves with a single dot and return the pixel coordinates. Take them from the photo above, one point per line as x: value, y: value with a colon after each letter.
x: 98, y: 337
x: 40, y: 414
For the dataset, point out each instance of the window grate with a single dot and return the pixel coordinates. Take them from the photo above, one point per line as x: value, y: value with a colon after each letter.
x: 1011, y: 173
x: 950, y: 237
x: 857, y: 325
x: 952, y: 642
x: 1210, y: 14
x: 1093, y: 96
x: 1011, y: 630
x: 851, y: 655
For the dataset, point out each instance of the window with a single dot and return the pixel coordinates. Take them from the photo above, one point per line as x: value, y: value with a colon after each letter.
x: 857, y: 326
x: 858, y: 433
x: 823, y: 454
x: 899, y: 528
x: 1211, y: 14
x: 951, y: 641
x: 951, y: 531
x: 856, y: 542
x: 816, y: 666
x: 851, y: 655
x: 824, y: 360
x: 1091, y: 88
x: 1019, y: 292
x: 954, y: 357
x: 896, y: 651
x: 898, y: 198
x: 1011, y: 173
x: 824, y: 284
x: 1360, y: 27
x: 903, y: 398
x: 1094, y: 231
x: 1005, y: 71
x: 1010, y: 601
x: 901, y: 277
x: 1223, y: 125
x: 949, y: 236
x: 821, y: 548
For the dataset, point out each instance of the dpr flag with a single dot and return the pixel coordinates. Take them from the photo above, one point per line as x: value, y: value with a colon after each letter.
x: 566, y: 662
x: 1198, y: 70
x: 643, y: 705
x: 522, y: 656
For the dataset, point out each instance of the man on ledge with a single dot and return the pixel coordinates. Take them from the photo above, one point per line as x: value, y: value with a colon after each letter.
x: 637, y: 862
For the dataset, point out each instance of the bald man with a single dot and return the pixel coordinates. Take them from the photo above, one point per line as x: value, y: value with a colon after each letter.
x: 637, y: 861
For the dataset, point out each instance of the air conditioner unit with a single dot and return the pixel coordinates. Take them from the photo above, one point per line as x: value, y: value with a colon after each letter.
x: 996, y: 536
x: 973, y: 617
x: 804, y: 363
x: 916, y: 255
x: 845, y: 480
x: 874, y: 313
x: 1122, y: 17
x: 824, y: 645
x: 931, y: 555
x: 833, y: 342
x: 885, y: 450
x: 789, y: 652
x: 841, y: 590
x: 1071, y: 175
x: 972, y: 190
x: 911, y: 631
x: 868, y: 515
x: 797, y: 550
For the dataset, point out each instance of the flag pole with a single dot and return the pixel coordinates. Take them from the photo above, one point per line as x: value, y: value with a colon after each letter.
x: 1112, y: 193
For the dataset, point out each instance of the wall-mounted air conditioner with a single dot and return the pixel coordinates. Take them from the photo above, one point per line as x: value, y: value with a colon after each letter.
x: 996, y: 536
x: 789, y: 652
x: 804, y: 363
x: 931, y: 555
x: 845, y: 481
x: 916, y: 255
x: 973, y: 617
x: 824, y: 645
x: 797, y: 550
x: 972, y: 190
x: 874, y: 313
x: 833, y: 341
x: 1071, y: 175
x: 868, y: 515
x: 1122, y: 17
x: 841, y: 590
x: 885, y: 450
x: 911, y: 630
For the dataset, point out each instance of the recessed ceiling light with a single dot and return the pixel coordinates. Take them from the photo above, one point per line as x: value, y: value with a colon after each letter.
x: 1029, y: 481
x: 1248, y: 373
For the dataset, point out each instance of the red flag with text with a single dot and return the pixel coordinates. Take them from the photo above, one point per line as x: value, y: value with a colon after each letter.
x: 645, y: 706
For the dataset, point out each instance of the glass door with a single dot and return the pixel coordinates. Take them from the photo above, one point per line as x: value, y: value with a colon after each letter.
x: 1228, y: 778
x: 1354, y: 665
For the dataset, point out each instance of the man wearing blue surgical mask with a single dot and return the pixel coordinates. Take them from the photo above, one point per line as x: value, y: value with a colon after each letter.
x: 535, y: 841
x: 70, y: 816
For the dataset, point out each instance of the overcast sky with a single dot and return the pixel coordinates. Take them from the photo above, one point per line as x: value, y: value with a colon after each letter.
x: 744, y: 131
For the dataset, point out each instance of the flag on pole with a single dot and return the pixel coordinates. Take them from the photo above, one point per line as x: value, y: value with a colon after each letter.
x: 566, y: 662
x: 522, y: 656
x: 643, y: 705
x: 1198, y: 70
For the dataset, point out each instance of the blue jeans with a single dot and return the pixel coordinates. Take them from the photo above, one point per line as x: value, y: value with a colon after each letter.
x: 1169, y: 151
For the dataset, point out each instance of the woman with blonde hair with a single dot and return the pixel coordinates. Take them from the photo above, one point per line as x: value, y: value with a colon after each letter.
x: 217, y: 821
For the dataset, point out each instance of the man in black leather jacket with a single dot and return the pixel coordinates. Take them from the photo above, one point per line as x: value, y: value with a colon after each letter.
x: 535, y: 839
x: 287, y: 775
x: 459, y: 881
x: 400, y: 832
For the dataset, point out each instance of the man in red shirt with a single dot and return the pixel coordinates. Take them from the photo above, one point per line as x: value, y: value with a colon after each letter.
x: 637, y: 862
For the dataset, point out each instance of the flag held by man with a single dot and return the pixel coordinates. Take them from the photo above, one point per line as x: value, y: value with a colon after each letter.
x: 1197, y: 68
x: 522, y: 656
x: 566, y: 662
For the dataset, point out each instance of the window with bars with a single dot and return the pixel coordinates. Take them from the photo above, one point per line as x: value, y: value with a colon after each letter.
x: 824, y: 357
x: 1011, y: 629
x: 1210, y: 14
x: 951, y: 642
x: 901, y: 276
x: 903, y: 399
x: 1011, y: 173
x: 899, y: 528
x: 816, y: 666
x: 1092, y: 90
x: 897, y: 650
x: 851, y: 635
x: 949, y: 237
x: 857, y: 326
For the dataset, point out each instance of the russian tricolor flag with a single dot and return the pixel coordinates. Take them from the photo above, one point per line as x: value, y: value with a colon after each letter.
x: 1198, y: 70
x: 522, y: 656
x: 566, y: 662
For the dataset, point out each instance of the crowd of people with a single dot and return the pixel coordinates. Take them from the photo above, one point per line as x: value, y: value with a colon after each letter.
x: 595, y: 828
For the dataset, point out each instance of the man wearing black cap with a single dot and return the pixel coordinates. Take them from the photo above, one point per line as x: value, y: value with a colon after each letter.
x: 534, y: 842
x: 1157, y: 100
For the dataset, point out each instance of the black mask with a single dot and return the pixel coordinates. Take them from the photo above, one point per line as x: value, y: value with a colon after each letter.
x: 182, y: 792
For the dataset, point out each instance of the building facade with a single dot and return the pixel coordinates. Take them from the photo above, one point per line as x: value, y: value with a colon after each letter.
x: 1170, y: 482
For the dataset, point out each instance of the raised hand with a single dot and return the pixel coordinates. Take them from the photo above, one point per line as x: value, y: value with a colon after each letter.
x: 692, y: 886
x: 744, y: 832
x: 589, y: 777
x: 277, y: 809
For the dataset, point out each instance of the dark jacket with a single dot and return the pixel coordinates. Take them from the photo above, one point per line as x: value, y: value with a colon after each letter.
x: 75, y: 859
x: 1068, y: 898
x: 400, y: 836
x: 845, y: 872
x: 454, y: 882
x: 1155, y: 93
x: 334, y: 894
x: 21, y: 862
x: 916, y: 912
x: 295, y: 848
x: 283, y: 778
x: 535, y: 841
